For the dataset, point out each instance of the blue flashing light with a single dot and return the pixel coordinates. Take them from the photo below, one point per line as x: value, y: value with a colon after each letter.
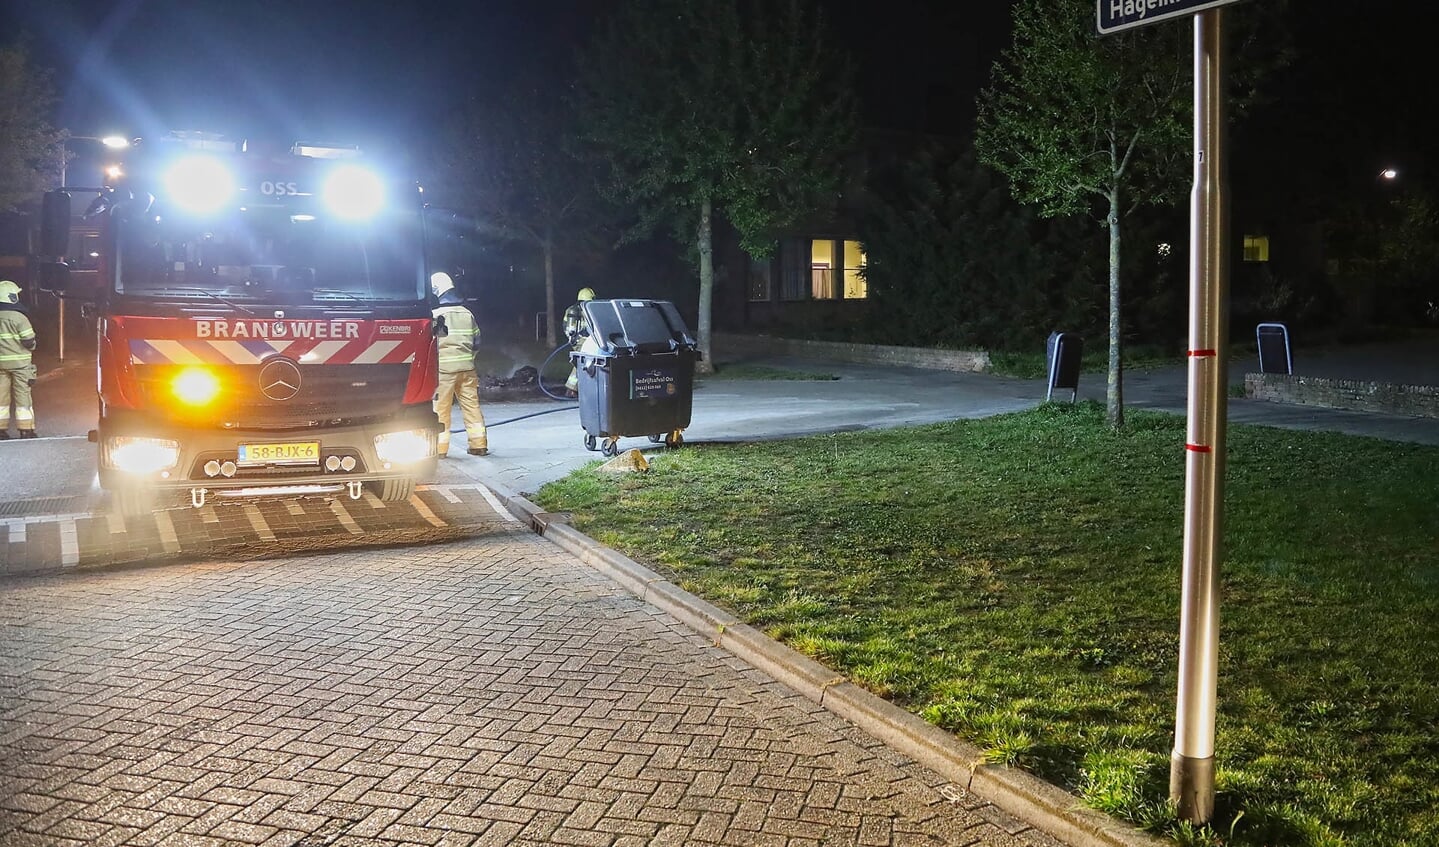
x: 353, y: 193
x: 200, y: 184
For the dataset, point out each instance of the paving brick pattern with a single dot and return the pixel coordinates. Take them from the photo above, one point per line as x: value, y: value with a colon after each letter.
x: 236, y: 529
x: 482, y: 691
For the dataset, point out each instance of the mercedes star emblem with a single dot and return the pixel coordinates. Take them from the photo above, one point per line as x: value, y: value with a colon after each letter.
x: 280, y: 379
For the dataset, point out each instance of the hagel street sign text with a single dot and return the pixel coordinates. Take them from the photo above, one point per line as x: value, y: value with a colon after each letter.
x: 1116, y: 15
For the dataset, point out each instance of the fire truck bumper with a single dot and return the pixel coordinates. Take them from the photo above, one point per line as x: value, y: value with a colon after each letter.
x: 387, y: 456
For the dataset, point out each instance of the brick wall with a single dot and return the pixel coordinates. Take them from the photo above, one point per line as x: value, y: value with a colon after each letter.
x: 972, y: 361
x: 1355, y: 394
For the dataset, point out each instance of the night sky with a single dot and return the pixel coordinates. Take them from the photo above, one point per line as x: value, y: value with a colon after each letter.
x: 372, y: 71
x: 382, y: 72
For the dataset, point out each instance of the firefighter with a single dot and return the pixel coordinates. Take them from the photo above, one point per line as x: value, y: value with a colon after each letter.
x: 575, y: 323
x: 457, y: 368
x: 17, y: 369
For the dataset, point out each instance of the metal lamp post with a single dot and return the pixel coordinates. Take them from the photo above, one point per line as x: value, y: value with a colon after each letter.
x: 114, y: 142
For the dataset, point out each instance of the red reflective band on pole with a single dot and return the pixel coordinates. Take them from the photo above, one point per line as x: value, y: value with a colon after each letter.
x: 1198, y: 448
x: 1195, y: 354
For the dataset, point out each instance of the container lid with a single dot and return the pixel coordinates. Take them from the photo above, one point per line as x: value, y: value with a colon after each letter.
x: 627, y: 327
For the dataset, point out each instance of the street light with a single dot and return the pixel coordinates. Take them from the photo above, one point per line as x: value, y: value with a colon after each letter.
x: 1389, y: 173
x: 114, y: 142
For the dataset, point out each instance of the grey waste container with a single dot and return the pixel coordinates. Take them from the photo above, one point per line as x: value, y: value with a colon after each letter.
x: 636, y: 373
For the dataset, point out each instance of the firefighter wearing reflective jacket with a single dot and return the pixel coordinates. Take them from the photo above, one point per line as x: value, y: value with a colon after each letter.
x: 17, y: 369
x: 457, y: 368
x: 575, y: 324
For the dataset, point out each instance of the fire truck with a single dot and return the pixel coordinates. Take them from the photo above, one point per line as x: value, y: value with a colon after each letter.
x: 263, y: 323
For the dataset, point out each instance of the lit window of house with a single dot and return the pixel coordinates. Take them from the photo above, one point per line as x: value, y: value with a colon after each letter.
x: 818, y: 269
x: 821, y: 266
x: 1256, y: 248
x: 856, y: 287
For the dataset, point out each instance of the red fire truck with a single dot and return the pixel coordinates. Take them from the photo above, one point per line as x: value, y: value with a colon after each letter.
x: 263, y: 323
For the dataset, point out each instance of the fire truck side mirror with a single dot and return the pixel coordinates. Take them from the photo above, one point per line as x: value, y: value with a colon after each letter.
x: 55, y: 224
x: 54, y: 276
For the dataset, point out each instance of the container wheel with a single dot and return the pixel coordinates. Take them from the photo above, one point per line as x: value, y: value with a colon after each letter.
x: 674, y: 439
x: 655, y: 439
x: 611, y: 447
x: 395, y: 490
x: 590, y: 443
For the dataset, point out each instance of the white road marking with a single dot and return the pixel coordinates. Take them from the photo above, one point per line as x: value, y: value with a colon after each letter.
x: 425, y: 512
x: 207, y: 514
x: 294, y: 508
x: 375, y: 502
x: 442, y: 490
x: 69, y: 544
x: 497, y: 506
x: 257, y: 521
x: 344, y: 517
x: 168, y: 539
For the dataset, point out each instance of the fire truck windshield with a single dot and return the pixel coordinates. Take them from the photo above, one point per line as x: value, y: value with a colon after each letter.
x: 269, y: 255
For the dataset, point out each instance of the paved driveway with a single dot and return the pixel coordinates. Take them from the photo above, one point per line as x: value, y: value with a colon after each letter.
x: 484, y: 691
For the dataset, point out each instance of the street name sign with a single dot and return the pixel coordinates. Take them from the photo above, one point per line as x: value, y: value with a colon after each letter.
x: 1117, y: 15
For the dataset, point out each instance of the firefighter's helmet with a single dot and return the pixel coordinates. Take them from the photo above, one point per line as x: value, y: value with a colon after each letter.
x: 9, y: 292
x: 586, y: 294
x: 440, y: 282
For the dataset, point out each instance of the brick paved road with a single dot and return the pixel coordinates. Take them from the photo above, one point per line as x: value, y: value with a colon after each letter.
x: 482, y: 691
x: 243, y: 528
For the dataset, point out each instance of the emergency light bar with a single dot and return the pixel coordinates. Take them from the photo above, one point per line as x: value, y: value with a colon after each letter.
x: 324, y: 151
x: 209, y: 141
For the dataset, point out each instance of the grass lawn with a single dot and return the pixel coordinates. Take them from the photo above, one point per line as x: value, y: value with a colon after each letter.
x: 1016, y: 580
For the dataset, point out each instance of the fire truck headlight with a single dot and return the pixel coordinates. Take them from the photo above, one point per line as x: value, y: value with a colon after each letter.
x: 136, y: 455
x: 401, y: 448
x: 353, y: 193
x: 200, y: 184
x: 195, y: 386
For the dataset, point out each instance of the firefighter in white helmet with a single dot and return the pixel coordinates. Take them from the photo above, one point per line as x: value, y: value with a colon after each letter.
x: 17, y: 369
x: 457, y: 368
x: 575, y: 324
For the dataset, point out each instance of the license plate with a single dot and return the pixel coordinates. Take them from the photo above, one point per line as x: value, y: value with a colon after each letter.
x: 301, y: 453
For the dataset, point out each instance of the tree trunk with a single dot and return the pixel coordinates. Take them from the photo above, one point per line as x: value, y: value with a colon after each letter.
x: 551, y: 337
x: 1114, y: 394
x: 705, y: 241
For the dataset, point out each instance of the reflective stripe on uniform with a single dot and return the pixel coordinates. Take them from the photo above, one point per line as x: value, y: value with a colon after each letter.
x: 457, y: 347
x: 17, y: 336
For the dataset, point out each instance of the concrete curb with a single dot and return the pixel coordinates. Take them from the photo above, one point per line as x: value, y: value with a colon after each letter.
x: 1021, y: 794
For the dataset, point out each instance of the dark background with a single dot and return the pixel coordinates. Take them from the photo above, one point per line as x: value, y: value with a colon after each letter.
x: 1359, y: 95
x: 373, y: 72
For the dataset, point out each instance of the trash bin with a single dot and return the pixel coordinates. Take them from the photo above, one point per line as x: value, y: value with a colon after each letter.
x: 636, y: 373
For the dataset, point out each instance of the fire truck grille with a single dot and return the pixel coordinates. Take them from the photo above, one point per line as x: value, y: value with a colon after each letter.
x: 325, y: 394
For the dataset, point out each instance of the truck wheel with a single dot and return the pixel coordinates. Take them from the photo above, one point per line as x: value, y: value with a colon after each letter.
x: 611, y: 447
x: 590, y: 443
x: 132, y: 502
x: 655, y: 439
x: 395, y: 490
